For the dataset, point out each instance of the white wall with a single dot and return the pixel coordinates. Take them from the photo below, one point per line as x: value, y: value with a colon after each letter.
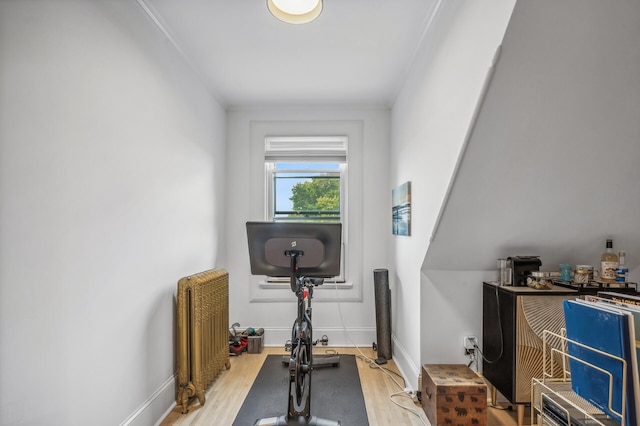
x: 430, y: 120
x: 551, y: 167
x: 559, y: 125
x: 368, y: 200
x: 111, y: 188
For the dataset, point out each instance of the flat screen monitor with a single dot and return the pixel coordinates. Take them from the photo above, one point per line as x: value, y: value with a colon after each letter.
x: 319, y: 245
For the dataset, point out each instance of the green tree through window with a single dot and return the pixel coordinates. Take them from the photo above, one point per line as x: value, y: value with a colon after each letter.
x: 320, y: 195
x: 309, y: 192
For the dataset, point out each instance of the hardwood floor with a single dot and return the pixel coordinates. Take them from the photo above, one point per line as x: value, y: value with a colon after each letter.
x: 228, y: 391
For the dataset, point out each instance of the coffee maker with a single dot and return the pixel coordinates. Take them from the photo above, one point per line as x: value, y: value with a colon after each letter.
x: 521, y: 266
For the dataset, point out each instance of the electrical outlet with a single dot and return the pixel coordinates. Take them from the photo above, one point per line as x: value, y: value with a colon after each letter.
x: 470, y: 343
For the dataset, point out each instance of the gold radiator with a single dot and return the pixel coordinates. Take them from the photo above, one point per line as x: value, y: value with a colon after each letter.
x: 203, y: 332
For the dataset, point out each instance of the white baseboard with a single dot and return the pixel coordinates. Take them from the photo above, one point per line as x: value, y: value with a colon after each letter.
x: 154, y: 409
x: 166, y: 413
x: 407, y: 367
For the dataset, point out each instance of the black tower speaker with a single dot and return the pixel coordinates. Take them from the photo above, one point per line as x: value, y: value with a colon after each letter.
x: 383, y: 313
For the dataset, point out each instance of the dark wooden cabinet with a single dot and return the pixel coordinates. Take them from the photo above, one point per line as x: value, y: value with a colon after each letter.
x: 514, y: 319
x: 513, y: 322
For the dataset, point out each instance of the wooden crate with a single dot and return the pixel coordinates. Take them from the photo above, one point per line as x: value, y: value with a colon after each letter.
x: 453, y: 395
x: 255, y: 344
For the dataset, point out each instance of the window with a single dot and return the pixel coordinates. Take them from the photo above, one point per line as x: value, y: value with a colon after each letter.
x: 305, y: 192
x: 306, y: 181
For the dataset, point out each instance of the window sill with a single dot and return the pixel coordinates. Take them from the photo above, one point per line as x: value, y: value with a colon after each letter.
x: 286, y: 285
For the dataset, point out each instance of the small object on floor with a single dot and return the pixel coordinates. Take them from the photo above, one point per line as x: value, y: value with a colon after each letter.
x: 381, y: 361
x: 256, y: 343
x: 237, y: 346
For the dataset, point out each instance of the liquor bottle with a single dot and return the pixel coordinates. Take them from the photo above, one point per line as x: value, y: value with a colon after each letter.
x: 608, y: 264
x: 621, y: 271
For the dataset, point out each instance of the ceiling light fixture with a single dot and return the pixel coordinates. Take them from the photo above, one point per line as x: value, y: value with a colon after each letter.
x: 295, y: 11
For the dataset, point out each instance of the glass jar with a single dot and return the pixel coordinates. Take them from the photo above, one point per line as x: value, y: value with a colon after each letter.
x: 539, y: 280
x: 583, y: 274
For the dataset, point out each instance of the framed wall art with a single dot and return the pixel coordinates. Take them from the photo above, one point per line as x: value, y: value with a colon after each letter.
x: 401, y: 209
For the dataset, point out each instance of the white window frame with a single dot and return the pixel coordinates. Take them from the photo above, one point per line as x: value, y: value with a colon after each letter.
x: 310, y: 149
x: 271, y: 171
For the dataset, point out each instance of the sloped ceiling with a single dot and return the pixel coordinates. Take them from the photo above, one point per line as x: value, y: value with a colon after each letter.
x: 552, y: 165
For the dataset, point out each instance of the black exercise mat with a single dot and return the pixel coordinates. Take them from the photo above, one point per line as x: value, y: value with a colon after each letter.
x: 336, y: 393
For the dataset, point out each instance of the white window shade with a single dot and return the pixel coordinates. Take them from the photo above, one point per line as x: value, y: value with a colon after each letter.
x: 305, y: 148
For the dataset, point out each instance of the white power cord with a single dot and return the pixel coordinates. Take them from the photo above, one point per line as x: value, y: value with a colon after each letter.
x: 409, y: 409
x: 405, y: 390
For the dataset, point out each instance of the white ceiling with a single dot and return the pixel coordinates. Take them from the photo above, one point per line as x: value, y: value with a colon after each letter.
x: 356, y: 53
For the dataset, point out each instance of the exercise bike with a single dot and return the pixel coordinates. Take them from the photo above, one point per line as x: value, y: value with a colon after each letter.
x: 300, y: 361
